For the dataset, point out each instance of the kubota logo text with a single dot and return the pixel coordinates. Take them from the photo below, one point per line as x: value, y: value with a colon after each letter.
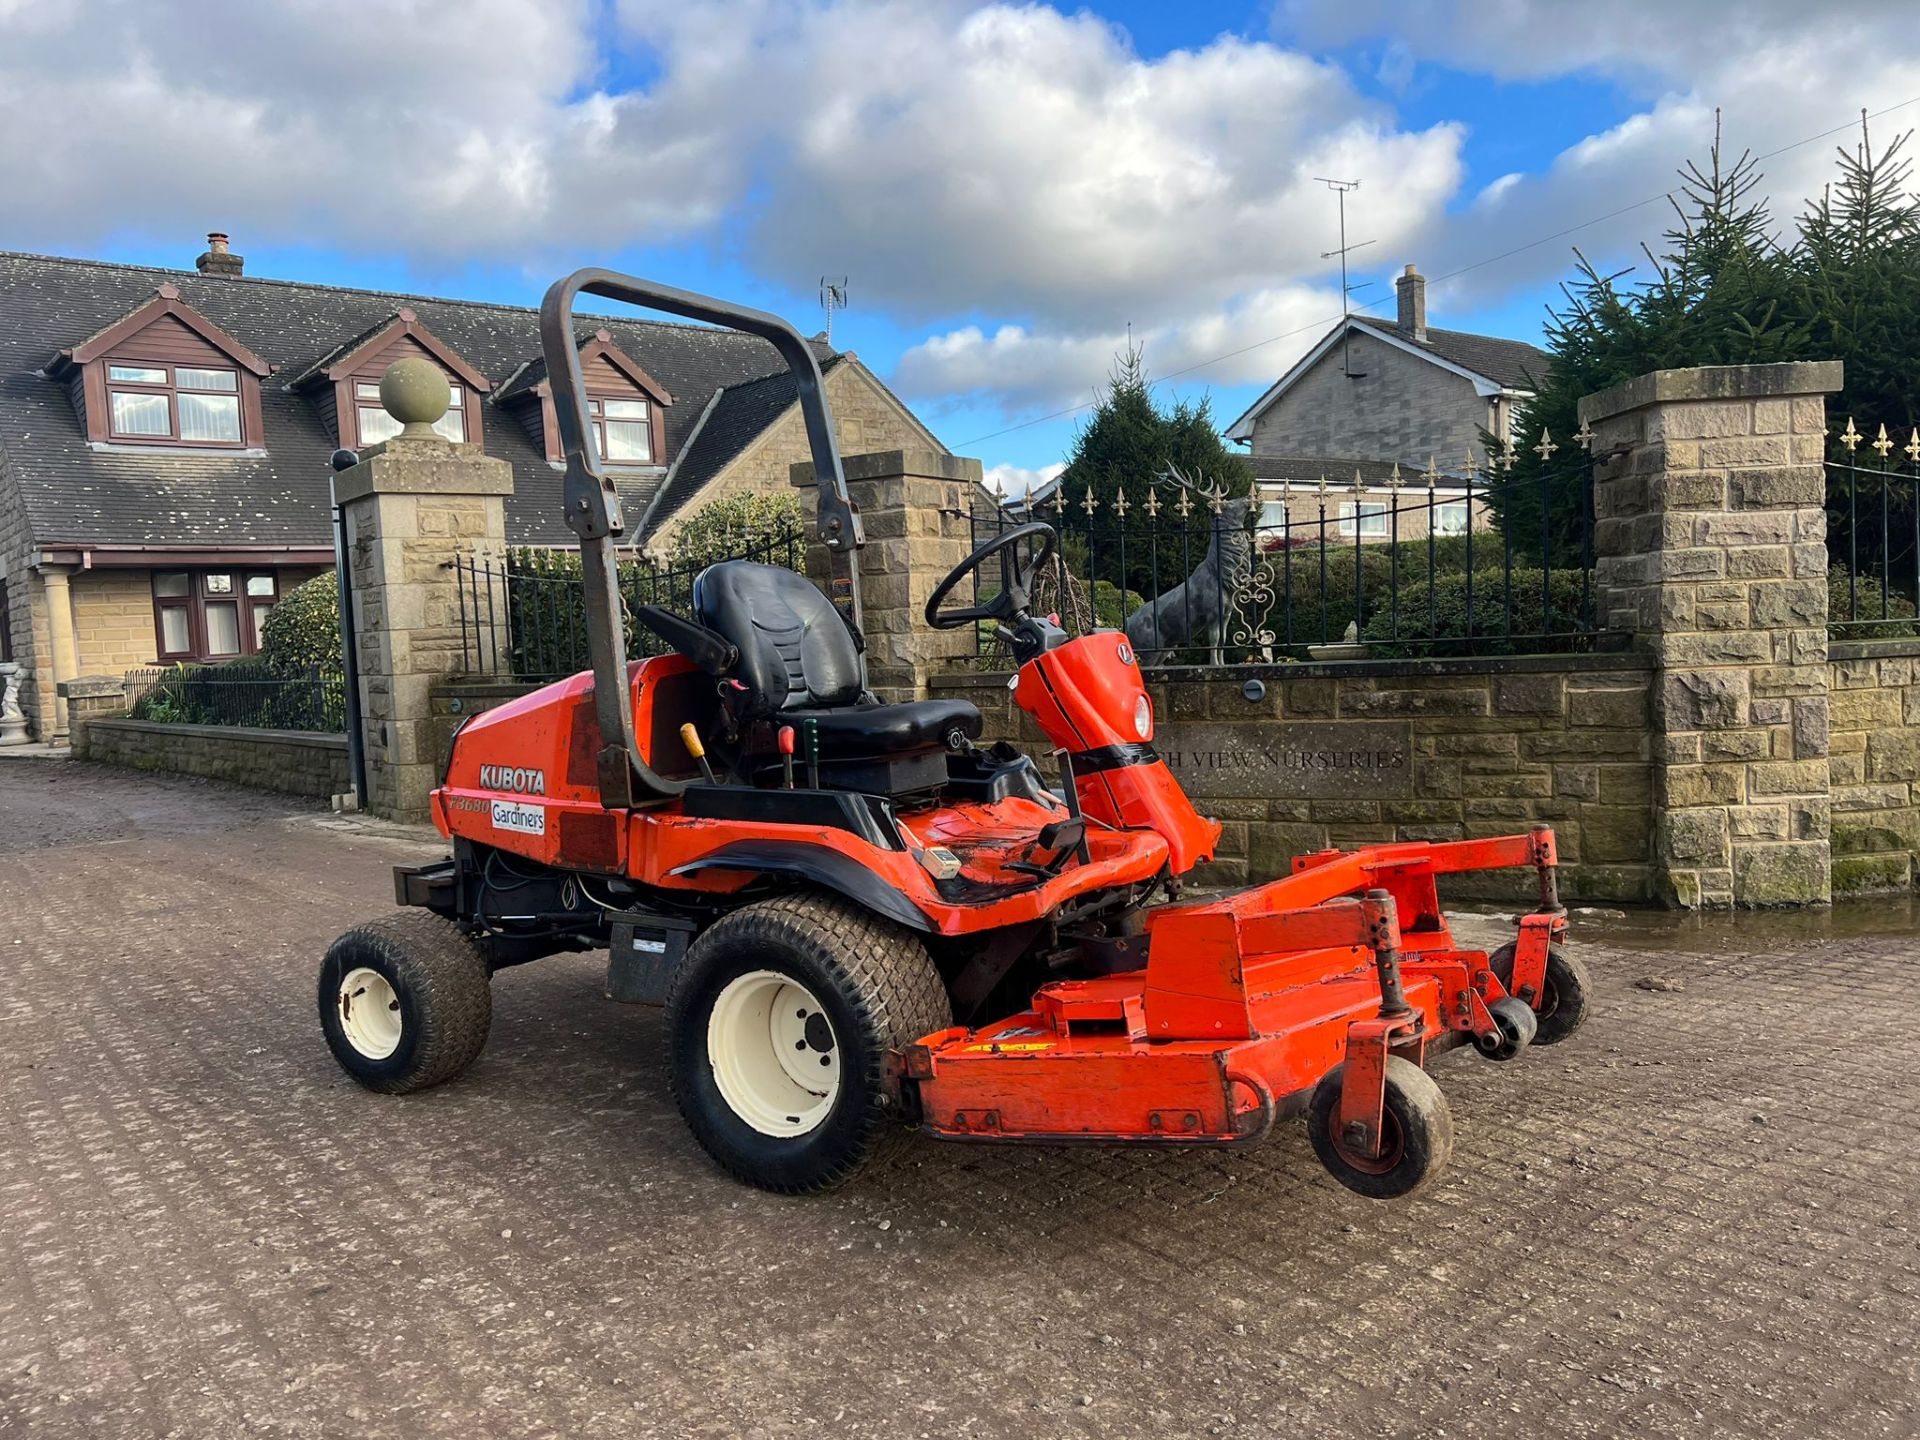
x: 506, y: 777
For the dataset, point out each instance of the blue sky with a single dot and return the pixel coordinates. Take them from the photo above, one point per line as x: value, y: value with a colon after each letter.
x: 1010, y: 188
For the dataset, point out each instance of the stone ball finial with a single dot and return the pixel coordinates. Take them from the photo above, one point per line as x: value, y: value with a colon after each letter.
x: 415, y: 392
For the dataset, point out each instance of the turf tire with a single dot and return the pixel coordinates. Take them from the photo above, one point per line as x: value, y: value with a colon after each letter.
x: 440, y: 978
x: 879, y: 990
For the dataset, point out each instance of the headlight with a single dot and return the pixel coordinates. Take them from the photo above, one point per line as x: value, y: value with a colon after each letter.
x: 1143, y: 718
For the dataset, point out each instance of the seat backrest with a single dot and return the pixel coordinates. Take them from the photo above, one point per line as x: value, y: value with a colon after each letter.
x: 795, y: 651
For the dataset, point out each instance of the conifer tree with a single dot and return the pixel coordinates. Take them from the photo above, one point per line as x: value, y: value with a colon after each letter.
x: 1123, y: 447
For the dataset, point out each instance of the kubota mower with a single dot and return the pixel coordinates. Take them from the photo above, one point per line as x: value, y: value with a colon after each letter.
x: 859, y: 919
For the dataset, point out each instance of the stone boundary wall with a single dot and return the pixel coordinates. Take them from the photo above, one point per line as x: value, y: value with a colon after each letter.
x: 293, y: 762
x: 1873, y: 704
x: 1365, y: 751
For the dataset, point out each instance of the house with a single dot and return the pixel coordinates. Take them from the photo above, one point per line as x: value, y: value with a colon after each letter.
x: 1369, y: 396
x: 165, y: 436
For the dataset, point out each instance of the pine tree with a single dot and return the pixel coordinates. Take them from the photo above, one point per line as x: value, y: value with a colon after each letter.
x: 1715, y: 295
x: 1724, y: 292
x: 1124, y: 448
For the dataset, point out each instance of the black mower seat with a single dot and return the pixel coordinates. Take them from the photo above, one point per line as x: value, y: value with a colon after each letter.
x: 798, y: 662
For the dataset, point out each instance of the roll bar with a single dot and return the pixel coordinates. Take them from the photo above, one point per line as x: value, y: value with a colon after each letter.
x: 593, y: 505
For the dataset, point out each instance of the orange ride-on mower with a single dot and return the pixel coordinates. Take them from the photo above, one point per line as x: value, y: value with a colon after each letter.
x: 859, y: 919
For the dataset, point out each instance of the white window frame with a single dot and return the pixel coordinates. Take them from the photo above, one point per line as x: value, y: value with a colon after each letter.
x: 1461, y: 507
x: 1367, y: 518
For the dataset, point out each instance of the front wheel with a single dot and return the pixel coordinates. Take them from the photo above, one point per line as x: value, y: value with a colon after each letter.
x: 1563, y: 1007
x: 785, y: 1023
x: 405, y: 1001
x: 1416, y: 1134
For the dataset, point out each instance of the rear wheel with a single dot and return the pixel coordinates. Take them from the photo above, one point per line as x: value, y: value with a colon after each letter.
x: 1562, y: 1007
x: 785, y: 1023
x: 404, y: 1001
x: 1416, y: 1134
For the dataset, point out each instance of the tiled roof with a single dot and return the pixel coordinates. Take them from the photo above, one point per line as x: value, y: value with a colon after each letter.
x: 738, y: 416
x: 75, y: 494
x: 1338, y: 471
x: 1511, y: 363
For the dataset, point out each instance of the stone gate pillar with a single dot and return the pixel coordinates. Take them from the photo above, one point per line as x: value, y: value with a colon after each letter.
x: 413, y: 506
x: 1710, y: 546
x: 913, y: 506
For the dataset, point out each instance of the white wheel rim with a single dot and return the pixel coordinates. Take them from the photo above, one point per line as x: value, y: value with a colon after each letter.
x: 775, y: 1057
x: 370, y: 1013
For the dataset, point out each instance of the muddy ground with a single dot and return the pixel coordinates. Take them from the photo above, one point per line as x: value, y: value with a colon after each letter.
x: 1697, y: 1217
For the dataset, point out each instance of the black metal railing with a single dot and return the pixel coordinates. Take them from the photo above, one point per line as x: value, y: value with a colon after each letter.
x: 525, y: 615
x: 1873, y: 539
x: 242, y: 693
x: 1432, y: 563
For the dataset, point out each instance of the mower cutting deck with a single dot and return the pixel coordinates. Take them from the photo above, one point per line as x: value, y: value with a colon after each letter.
x: 857, y: 916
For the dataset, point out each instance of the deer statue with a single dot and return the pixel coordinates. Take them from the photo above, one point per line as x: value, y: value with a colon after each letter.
x: 1195, y: 611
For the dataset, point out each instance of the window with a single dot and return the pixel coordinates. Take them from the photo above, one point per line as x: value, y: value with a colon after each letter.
x: 211, y: 614
x: 1370, y: 516
x: 376, y: 425
x: 173, y: 404
x: 1450, y: 518
x: 622, y: 431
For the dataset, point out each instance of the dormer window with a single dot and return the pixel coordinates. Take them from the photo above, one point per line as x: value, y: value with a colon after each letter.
x: 622, y: 431
x: 345, y: 383
x: 185, y: 404
x: 626, y: 407
x: 377, y: 425
x: 164, y: 374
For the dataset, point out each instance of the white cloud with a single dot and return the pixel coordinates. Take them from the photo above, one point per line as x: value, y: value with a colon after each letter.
x: 1778, y: 71
x: 1023, y: 370
x: 1015, y: 177
x: 1011, y: 482
x: 955, y: 159
x: 1653, y: 42
x: 447, y: 129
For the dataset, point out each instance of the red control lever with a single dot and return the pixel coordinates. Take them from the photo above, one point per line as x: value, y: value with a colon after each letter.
x: 786, y: 752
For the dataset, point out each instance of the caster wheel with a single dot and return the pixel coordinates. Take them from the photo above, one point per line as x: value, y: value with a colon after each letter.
x: 1417, y: 1134
x: 1518, y: 1025
x: 1563, y: 1008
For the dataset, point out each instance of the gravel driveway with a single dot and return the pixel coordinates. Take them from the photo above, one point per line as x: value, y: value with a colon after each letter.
x: 1697, y: 1217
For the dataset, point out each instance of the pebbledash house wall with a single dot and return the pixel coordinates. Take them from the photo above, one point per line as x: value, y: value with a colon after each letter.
x: 1404, y: 407
x: 1295, y: 758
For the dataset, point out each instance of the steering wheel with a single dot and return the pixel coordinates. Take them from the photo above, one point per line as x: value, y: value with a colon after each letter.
x: 1016, y: 581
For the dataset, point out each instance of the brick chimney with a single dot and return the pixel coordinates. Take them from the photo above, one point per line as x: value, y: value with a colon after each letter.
x: 219, y: 260
x: 1413, y: 303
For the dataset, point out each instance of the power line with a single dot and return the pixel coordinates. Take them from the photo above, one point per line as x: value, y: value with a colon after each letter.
x: 1449, y: 275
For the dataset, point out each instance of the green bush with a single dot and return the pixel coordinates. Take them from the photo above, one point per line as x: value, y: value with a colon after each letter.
x: 736, y: 525
x: 1433, y: 619
x: 304, y: 628
x: 251, y: 692
x: 1854, y: 609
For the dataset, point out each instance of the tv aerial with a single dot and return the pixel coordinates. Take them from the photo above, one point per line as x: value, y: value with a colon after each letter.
x: 833, y: 296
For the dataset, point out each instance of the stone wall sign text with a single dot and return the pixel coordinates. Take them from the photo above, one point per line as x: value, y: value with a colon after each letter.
x: 1346, y: 760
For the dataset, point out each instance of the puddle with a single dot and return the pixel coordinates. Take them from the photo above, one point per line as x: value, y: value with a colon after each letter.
x: 1740, y: 931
